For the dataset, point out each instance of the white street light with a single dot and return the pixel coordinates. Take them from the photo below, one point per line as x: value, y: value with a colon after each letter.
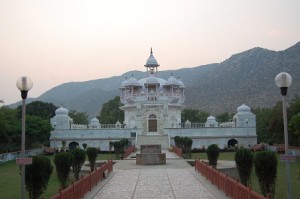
x: 24, y: 84
x: 283, y: 81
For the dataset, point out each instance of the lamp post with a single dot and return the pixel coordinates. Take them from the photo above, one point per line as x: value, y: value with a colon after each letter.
x: 24, y: 84
x: 283, y: 81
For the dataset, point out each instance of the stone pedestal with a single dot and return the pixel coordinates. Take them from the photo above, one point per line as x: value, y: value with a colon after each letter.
x: 150, y: 155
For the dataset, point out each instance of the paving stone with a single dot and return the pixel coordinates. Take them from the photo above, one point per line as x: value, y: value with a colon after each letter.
x: 175, y: 180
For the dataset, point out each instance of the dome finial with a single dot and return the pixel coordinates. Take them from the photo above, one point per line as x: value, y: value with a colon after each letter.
x: 151, y: 51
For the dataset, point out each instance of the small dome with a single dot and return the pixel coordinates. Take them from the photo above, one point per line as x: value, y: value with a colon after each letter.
x: 61, y: 111
x: 94, y: 120
x: 181, y: 84
x: 124, y: 83
x: 210, y: 118
x: 151, y: 80
x: 132, y: 82
x: 172, y: 81
x: 243, y: 109
x: 151, y: 61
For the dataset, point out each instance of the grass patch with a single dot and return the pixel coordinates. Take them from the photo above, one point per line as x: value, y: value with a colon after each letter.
x: 281, y: 184
x: 10, y: 180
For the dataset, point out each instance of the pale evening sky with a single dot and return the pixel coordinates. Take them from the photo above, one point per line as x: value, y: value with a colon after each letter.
x: 58, y: 41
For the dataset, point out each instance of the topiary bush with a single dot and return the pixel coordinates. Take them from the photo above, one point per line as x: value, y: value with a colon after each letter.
x: 63, y: 162
x: 244, y: 163
x: 37, y: 176
x: 92, y: 153
x: 78, y: 161
x: 84, y: 145
x: 265, y: 164
x: 213, y: 154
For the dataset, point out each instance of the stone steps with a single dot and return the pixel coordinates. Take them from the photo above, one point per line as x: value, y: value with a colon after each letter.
x: 163, y: 140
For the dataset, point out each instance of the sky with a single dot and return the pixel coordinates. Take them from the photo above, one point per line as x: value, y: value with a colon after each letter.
x: 59, y: 41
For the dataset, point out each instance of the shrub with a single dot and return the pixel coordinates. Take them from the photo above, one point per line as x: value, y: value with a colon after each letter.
x: 117, y: 148
x: 37, y: 176
x: 63, y: 163
x: 244, y: 162
x: 92, y: 153
x: 187, y: 146
x: 78, y: 161
x: 84, y: 145
x: 177, y: 141
x: 265, y: 164
x: 213, y: 154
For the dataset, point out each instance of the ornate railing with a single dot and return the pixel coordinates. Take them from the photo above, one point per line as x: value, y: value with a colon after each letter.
x: 177, y: 151
x: 78, y: 189
x: 129, y: 151
x: 232, y: 188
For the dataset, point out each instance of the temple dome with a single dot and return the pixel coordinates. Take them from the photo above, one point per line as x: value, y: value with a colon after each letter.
x: 94, y: 120
x: 61, y: 111
x: 124, y: 83
x: 243, y: 109
x: 151, y: 61
x: 172, y: 81
x: 151, y: 80
x: 132, y: 82
x: 181, y: 84
x: 211, y: 118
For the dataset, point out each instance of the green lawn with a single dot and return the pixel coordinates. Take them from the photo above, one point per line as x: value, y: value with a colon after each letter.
x: 10, y: 180
x: 281, y: 185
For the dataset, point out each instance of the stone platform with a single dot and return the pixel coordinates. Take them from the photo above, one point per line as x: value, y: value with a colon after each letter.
x: 151, y: 155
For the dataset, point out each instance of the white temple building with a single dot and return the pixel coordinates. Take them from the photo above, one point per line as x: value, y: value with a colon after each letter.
x: 152, y: 108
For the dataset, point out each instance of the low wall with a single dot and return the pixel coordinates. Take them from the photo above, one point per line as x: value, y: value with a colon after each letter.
x: 14, y: 155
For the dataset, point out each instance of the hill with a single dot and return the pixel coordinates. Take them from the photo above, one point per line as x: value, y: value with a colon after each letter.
x: 246, y: 77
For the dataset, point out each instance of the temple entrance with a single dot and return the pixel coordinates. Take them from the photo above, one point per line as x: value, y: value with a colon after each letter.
x: 232, y: 142
x: 152, y: 123
x: 73, y: 145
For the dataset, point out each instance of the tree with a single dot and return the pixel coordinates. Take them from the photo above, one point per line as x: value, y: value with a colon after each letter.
x: 265, y: 164
x: 10, y: 130
x: 224, y: 117
x: 84, y: 145
x: 78, y: 161
x: 63, y: 162
x: 194, y: 115
x: 37, y: 131
x: 79, y: 117
x: 110, y: 112
x: 244, y: 162
x: 44, y: 110
x: 213, y: 154
x: 92, y: 156
x: 294, y: 127
x: 37, y: 176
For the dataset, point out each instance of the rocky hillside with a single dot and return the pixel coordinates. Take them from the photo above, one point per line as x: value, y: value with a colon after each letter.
x: 246, y: 77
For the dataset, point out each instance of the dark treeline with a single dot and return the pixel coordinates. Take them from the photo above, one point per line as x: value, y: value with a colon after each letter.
x: 269, y: 122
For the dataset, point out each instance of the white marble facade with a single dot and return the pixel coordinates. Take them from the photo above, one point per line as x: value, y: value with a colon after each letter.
x: 152, y: 107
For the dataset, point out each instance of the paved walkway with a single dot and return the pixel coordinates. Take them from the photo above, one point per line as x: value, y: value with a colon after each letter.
x: 177, y: 179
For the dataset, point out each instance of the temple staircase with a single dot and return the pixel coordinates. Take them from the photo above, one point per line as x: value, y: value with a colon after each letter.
x: 163, y: 140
